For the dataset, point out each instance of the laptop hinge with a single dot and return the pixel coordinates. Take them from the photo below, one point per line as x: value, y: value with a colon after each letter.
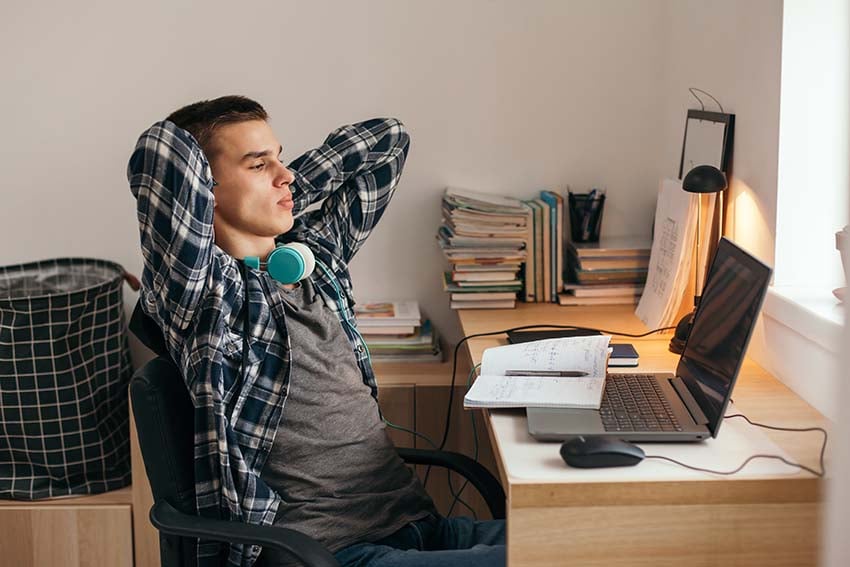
x: 690, y: 402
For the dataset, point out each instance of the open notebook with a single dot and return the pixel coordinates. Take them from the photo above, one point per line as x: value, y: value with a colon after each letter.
x: 493, y: 389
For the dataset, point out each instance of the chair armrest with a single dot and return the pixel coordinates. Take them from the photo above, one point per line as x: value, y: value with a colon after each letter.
x: 167, y: 519
x: 475, y: 472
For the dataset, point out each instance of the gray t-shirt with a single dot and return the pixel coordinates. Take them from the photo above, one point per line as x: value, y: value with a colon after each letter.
x: 332, y: 463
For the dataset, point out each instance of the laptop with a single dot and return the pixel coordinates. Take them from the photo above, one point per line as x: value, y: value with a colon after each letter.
x: 687, y: 405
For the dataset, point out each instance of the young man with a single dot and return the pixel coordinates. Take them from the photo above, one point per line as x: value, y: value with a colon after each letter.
x: 287, y: 431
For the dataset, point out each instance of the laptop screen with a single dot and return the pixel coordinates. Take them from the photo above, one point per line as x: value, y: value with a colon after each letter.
x: 731, y: 300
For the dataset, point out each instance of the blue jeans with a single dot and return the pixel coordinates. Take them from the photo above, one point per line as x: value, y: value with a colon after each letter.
x: 433, y: 542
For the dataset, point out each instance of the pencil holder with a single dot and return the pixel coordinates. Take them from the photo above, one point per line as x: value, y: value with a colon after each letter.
x: 585, y: 215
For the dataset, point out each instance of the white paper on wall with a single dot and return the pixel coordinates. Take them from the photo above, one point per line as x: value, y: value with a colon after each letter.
x: 671, y: 255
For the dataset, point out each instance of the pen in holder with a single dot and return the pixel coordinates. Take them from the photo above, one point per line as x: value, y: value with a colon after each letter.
x: 586, y: 215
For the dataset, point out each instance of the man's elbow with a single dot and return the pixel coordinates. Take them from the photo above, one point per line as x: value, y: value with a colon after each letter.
x: 400, y: 134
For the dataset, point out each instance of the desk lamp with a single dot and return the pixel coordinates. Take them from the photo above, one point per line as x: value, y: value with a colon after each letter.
x: 701, y: 179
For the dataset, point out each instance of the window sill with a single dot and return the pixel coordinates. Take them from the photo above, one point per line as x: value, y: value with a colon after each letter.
x: 814, y: 313
x: 802, y: 343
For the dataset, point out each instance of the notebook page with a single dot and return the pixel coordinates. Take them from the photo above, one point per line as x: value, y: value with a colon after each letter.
x: 588, y: 354
x: 537, y: 391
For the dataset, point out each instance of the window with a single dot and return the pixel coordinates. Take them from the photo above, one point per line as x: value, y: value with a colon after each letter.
x: 812, y: 199
x: 803, y: 321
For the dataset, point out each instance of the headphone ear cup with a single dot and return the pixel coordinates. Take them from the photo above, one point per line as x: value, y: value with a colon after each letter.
x: 306, y: 256
x: 290, y: 263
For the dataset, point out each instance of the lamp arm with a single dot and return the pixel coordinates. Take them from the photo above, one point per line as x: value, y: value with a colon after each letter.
x: 698, y: 270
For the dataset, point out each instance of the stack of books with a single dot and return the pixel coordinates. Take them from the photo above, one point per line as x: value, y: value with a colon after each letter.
x: 394, y: 331
x: 611, y: 271
x: 484, y: 238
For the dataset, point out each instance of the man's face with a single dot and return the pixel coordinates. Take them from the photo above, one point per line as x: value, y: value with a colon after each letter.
x: 252, y: 197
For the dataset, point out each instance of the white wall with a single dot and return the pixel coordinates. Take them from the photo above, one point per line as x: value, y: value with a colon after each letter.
x: 732, y: 50
x: 837, y: 545
x: 501, y: 96
x: 837, y: 513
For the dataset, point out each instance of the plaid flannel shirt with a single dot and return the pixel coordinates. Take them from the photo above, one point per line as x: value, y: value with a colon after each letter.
x: 195, y: 293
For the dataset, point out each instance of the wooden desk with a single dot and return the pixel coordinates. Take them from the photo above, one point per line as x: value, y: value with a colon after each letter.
x: 622, y: 518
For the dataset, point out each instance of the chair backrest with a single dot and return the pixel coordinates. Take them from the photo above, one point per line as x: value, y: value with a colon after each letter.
x: 164, y: 422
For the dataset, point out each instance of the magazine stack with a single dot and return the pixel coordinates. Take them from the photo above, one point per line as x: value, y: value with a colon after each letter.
x: 394, y: 331
x: 484, y: 238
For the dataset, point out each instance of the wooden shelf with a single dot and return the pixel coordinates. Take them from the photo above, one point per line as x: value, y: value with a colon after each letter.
x: 420, y: 373
x: 73, y: 531
x: 122, y: 496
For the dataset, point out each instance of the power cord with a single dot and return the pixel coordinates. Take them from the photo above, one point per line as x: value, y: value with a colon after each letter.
x: 457, y: 497
x: 692, y: 89
x: 411, y: 431
x: 820, y: 473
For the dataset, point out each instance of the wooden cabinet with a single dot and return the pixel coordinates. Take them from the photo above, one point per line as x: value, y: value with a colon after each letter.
x: 397, y: 404
x: 145, y: 536
x: 430, y: 411
x: 86, y: 531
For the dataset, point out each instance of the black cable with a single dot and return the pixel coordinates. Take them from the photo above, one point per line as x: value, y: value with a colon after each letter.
x: 474, y: 455
x: 466, y: 482
x: 457, y: 497
x: 820, y: 473
x: 702, y: 106
x: 692, y: 89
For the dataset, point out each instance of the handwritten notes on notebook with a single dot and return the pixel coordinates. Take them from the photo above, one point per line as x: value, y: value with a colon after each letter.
x: 492, y: 389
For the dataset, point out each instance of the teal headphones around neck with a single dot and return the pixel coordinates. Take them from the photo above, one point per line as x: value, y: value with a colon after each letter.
x: 287, y: 264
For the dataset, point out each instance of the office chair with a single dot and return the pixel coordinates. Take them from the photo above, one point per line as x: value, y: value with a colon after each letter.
x: 163, y: 415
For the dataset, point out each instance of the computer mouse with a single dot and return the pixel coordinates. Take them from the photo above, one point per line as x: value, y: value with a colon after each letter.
x: 587, y: 452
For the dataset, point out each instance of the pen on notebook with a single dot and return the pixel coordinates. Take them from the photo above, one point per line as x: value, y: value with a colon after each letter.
x: 564, y: 373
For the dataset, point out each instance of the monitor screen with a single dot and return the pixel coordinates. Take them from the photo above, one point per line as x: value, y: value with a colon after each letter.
x: 731, y: 300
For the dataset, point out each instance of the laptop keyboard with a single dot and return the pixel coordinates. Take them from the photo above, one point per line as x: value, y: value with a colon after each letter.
x: 634, y: 402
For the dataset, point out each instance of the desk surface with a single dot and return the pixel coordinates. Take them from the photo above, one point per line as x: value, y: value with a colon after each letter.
x: 558, y: 488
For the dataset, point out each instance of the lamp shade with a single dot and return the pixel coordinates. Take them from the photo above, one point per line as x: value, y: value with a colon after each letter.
x: 704, y: 179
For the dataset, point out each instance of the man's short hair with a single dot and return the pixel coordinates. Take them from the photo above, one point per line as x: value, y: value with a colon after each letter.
x: 203, y: 118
